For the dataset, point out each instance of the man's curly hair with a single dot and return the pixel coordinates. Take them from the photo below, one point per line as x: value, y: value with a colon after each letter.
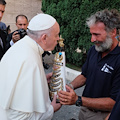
x: 110, y: 18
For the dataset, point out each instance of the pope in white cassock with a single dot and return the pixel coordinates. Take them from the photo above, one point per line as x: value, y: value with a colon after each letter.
x: 24, y: 93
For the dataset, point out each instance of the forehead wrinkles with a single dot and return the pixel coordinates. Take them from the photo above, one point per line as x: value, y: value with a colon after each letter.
x: 98, y: 28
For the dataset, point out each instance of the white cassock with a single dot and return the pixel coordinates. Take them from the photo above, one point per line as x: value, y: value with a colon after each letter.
x: 24, y: 90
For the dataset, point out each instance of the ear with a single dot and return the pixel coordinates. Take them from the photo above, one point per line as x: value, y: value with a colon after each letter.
x: 114, y: 32
x: 44, y: 38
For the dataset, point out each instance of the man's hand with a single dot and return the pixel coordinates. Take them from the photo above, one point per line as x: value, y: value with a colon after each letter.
x: 48, y: 76
x: 15, y: 37
x: 55, y: 105
x: 68, y: 97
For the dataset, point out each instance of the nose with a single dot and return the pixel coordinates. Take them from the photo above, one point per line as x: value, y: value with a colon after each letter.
x: 93, y: 38
x: 23, y: 27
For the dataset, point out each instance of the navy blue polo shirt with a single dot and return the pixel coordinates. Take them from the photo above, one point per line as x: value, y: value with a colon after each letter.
x: 102, y: 74
x: 115, y: 114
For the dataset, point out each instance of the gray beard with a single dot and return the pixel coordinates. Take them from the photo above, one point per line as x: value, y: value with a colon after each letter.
x: 105, y: 46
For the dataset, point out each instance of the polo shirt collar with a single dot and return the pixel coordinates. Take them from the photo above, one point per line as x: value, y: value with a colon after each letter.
x: 116, y: 50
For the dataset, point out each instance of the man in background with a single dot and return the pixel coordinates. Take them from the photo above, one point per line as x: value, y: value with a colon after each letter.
x: 21, y: 23
x: 115, y: 114
x: 3, y: 26
x: 3, y: 34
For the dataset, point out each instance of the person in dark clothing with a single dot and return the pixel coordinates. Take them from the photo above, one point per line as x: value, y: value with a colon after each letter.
x: 101, y: 71
x: 3, y: 34
x: 21, y: 24
x: 3, y: 26
x: 115, y: 114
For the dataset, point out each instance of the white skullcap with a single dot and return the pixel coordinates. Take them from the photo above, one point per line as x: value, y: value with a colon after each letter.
x: 41, y: 22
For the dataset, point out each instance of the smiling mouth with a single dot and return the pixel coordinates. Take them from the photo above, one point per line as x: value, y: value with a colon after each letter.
x: 97, y: 43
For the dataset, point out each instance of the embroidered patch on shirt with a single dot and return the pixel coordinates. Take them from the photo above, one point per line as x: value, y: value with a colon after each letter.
x: 106, y: 68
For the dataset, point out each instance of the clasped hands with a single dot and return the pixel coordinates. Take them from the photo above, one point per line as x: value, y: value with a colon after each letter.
x: 67, y: 97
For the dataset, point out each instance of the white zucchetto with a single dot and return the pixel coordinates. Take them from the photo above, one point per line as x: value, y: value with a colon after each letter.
x: 41, y: 22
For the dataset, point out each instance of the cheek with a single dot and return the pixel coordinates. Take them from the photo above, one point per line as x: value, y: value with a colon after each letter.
x: 103, y: 35
x: 55, y: 42
x: 52, y: 42
x: 103, y: 38
x: 19, y: 27
x: 2, y: 14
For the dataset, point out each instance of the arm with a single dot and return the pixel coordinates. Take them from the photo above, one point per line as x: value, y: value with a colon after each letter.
x: 15, y: 114
x: 70, y: 97
x: 11, y: 39
x: 11, y: 113
x: 52, y: 108
x: 79, y: 81
x: 56, y: 106
x: 103, y: 104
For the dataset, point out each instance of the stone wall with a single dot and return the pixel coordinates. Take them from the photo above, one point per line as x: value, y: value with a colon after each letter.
x: 14, y: 7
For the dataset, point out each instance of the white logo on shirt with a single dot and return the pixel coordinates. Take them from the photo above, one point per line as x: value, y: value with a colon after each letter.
x: 106, y: 68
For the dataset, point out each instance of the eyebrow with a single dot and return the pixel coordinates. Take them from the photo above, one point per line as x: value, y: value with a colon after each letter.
x: 22, y: 24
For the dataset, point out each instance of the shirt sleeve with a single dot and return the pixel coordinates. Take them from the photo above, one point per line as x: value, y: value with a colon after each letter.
x: 11, y: 42
x: 49, y: 114
x: 115, y: 114
x: 18, y: 115
x: 115, y: 84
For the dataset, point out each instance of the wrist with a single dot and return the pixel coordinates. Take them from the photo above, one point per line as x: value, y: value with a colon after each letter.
x: 79, y: 101
x: 71, y: 86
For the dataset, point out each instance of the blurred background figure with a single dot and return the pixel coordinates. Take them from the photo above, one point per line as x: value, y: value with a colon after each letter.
x: 21, y: 24
x: 2, y: 26
x: 3, y: 34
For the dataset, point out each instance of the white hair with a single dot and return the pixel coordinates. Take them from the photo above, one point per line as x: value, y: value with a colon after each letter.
x: 37, y: 34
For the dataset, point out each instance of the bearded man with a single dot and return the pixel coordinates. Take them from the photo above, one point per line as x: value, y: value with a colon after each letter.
x: 101, y: 71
